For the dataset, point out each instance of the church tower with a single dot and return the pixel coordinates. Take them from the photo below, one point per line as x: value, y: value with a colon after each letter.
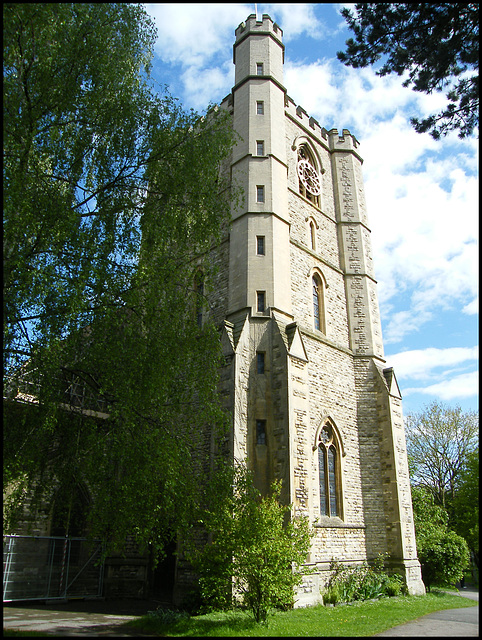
x: 312, y: 401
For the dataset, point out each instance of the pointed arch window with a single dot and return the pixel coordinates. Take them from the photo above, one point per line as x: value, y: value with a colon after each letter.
x: 318, y: 303
x: 329, y: 472
x: 309, y: 180
x: 313, y: 235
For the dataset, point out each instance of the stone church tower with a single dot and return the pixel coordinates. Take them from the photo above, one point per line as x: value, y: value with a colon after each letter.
x: 312, y: 400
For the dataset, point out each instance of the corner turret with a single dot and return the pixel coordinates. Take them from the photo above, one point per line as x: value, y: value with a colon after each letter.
x: 258, y: 56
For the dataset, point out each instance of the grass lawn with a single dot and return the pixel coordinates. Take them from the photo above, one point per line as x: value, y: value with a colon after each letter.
x: 357, y: 619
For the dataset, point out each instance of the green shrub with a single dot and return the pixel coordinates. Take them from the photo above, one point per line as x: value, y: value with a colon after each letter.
x: 444, y: 556
x: 361, y: 582
x: 331, y: 595
x: 394, y: 586
x: 255, y: 553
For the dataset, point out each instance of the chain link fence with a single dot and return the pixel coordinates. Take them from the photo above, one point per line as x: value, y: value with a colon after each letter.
x: 49, y: 568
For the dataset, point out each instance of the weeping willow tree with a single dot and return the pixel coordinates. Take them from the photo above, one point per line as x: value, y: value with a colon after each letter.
x: 113, y: 197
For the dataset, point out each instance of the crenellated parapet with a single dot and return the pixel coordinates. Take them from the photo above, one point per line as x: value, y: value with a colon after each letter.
x: 344, y: 142
x: 332, y: 140
x: 301, y: 117
x: 252, y: 26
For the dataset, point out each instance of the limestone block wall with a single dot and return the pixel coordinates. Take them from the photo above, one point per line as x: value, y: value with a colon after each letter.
x: 396, y: 482
x: 300, y: 436
x: 303, y: 265
x: 370, y: 456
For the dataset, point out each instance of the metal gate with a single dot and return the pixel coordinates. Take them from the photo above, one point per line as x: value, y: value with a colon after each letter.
x: 51, y: 568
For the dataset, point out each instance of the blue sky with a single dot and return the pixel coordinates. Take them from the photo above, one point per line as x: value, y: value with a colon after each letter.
x: 422, y: 195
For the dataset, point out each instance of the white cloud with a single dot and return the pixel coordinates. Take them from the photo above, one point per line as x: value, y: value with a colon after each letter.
x: 419, y: 364
x: 300, y: 17
x: 465, y: 385
x: 472, y: 308
x: 191, y: 34
x: 202, y: 84
x: 312, y: 87
x: 418, y: 242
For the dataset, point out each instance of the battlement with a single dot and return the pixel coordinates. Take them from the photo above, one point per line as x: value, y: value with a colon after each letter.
x: 344, y: 142
x: 252, y: 25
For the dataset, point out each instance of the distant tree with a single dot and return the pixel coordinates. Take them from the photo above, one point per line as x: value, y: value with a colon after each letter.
x: 443, y: 554
x: 255, y: 551
x: 438, y: 442
x: 112, y: 199
x: 437, y: 45
x: 465, y: 505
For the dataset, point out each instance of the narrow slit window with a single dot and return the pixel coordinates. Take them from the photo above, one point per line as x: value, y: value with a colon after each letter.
x: 260, y: 362
x: 259, y: 68
x: 259, y: 193
x: 260, y: 108
x: 260, y: 246
x: 260, y: 431
x: 260, y: 301
x: 313, y: 235
x: 260, y: 147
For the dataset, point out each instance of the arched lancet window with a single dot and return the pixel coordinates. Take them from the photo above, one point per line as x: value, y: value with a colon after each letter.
x: 308, y: 175
x: 318, y: 303
x: 313, y: 235
x: 329, y: 472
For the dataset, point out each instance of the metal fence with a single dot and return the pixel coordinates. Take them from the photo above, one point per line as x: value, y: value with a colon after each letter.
x: 50, y: 568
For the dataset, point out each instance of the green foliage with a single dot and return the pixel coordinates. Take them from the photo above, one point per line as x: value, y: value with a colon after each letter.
x: 255, y: 552
x: 438, y: 442
x: 75, y: 144
x: 442, y: 445
x: 113, y: 196
x: 427, y: 515
x: 434, y: 46
x: 362, y: 582
x: 443, y: 554
x: 465, y: 505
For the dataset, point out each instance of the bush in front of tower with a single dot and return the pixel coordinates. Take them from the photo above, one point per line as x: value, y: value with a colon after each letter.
x: 253, y: 547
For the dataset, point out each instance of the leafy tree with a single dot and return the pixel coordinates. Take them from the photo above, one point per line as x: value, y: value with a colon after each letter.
x: 112, y: 198
x: 465, y: 506
x: 255, y: 550
x: 439, y: 439
x: 443, y: 554
x: 76, y: 140
x: 435, y: 45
